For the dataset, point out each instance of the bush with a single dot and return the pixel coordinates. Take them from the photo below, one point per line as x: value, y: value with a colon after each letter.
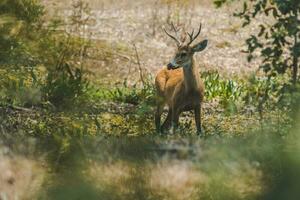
x: 278, y: 43
x: 30, y: 45
x: 18, y: 88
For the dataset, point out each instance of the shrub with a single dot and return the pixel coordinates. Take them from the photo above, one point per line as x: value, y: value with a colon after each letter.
x: 29, y: 44
x: 277, y: 40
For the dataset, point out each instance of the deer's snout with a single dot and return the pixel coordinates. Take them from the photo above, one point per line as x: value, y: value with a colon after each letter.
x: 170, y: 66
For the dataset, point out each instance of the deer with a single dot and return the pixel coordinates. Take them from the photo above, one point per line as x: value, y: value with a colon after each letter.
x: 178, y: 85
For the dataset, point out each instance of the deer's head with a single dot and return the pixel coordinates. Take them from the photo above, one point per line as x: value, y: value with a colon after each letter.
x: 185, y: 52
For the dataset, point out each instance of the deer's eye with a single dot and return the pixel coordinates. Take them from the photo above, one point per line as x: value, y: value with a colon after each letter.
x: 183, y: 54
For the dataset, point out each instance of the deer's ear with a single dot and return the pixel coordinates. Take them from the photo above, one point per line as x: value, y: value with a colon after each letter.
x: 200, y: 46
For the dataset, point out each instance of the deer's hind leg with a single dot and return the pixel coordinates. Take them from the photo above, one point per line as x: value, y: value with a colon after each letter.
x: 158, y: 113
x: 167, y: 123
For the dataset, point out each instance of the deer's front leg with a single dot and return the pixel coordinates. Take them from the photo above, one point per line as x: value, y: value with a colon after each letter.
x: 175, y: 121
x: 175, y: 115
x: 198, y: 119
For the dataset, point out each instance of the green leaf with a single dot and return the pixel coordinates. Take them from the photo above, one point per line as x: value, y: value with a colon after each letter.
x: 262, y: 30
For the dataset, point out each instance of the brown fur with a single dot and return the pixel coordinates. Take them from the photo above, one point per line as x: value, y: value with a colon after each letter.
x: 181, y: 90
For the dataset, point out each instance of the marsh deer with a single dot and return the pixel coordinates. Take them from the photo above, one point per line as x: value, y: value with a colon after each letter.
x: 178, y: 84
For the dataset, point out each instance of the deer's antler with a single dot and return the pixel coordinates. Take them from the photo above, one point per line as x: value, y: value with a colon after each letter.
x: 175, y: 38
x: 191, y: 35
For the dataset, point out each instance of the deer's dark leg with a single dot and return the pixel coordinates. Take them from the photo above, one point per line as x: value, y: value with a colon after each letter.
x: 158, y: 113
x: 198, y: 119
x: 175, y: 121
x: 166, y: 125
x: 175, y: 115
x: 178, y: 106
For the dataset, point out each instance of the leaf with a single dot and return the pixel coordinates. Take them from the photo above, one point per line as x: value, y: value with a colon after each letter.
x: 245, y: 8
x: 262, y: 30
x: 219, y: 3
x: 267, y: 52
x: 250, y: 58
x: 247, y: 20
x: 275, y: 13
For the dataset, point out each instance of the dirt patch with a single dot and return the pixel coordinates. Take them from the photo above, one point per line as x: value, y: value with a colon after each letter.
x: 140, y: 23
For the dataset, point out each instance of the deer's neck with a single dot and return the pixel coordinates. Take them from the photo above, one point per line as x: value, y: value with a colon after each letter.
x: 191, y: 76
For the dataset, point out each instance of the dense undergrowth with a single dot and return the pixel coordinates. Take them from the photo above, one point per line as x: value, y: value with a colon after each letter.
x: 50, y: 109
